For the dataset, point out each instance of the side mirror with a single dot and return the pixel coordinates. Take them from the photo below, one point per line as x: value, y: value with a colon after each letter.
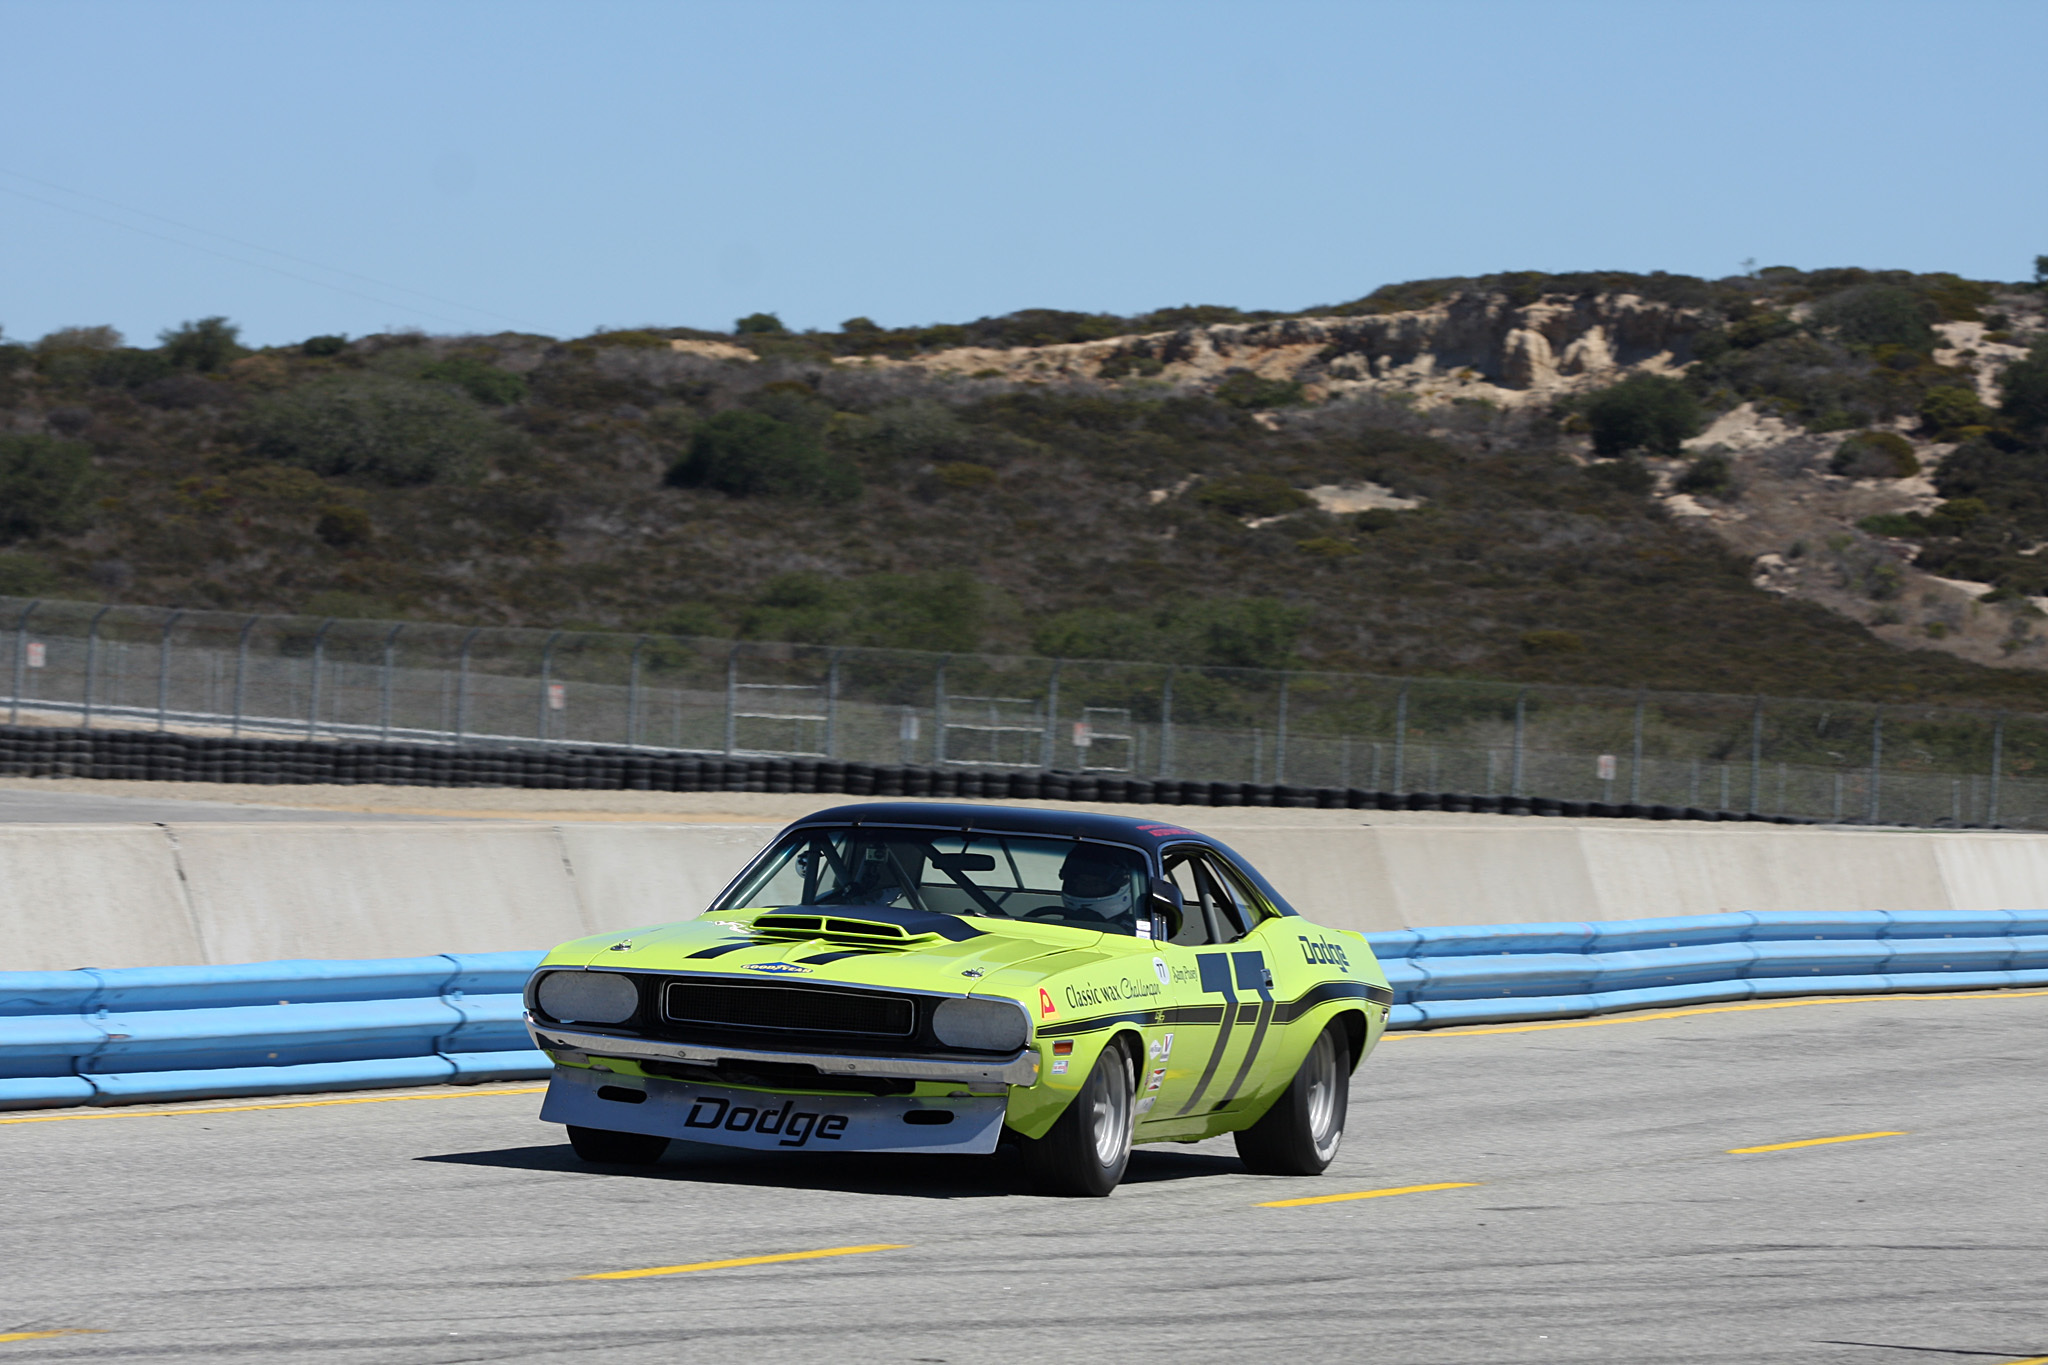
x: 1164, y: 904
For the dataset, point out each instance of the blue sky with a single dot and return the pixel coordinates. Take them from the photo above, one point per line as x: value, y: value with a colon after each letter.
x: 316, y: 167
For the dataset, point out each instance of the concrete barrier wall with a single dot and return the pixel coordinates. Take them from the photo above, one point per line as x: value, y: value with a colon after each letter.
x: 150, y: 895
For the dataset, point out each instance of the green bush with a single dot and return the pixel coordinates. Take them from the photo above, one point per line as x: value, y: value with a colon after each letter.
x: 1552, y: 642
x: 750, y: 454
x: 1875, y: 455
x: 395, y: 431
x: 478, y: 378
x: 1253, y: 495
x: 1630, y: 475
x: 1872, y: 315
x: 936, y: 611
x: 205, y: 345
x: 2023, y: 390
x: 1712, y: 475
x: 1643, y: 412
x: 1947, y: 407
x: 759, y: 324
x: 24, y: 576
x: 1243, y: 389
x: 1217, y: 632
x: 45, y: 485
x: 324, y: 345
x: 342, y: 526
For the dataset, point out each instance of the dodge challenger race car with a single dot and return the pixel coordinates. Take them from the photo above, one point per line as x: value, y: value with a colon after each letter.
x: 904, y: 977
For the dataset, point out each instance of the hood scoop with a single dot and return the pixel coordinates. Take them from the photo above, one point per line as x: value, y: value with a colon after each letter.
x: 835, y: 929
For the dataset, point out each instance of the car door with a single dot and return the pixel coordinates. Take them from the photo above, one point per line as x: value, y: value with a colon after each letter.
x: 1224, y: 1006
x: 1239, y: 972
x: 1178, y: 1050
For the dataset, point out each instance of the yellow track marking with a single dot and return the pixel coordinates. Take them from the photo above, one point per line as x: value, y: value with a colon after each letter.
x: 1365, y: 1194
x: 1809, y: 1142
x: 81, y: 1332
x: 740, y: 1261
x: 1657, y: 1016
x: 251, y: 1108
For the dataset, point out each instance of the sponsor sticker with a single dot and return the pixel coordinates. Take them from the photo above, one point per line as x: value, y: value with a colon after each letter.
x: 1162, y: 1049
x: 779, y: 968
x: 1045, y: 1004
x: 1143, y: 1106
x: 1324, y: 953
x: 1162, y: 971
x: 794, y: 1129
x: 1158, y: 1076
x: 1059, y: 1067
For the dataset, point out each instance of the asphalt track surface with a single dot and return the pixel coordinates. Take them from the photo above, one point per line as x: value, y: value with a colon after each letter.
x: 1593, y: 1211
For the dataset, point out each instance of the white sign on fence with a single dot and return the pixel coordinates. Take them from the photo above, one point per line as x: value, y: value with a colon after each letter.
x: 1083, y: 735
x: 558, y: 697
x: 38, y: 654
x: 1604, y: 767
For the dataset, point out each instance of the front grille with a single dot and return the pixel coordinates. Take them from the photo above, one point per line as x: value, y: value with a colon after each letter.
x: 797, y: 1009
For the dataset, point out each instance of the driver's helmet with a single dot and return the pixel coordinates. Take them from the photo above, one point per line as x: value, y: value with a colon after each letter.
x: 1095, y: 881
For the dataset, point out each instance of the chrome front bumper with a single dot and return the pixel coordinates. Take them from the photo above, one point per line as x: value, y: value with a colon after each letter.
x: 580, y: 1044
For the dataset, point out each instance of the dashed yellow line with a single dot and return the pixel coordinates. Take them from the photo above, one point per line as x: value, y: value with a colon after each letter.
x: 1809, y: 1142
x: 251, y: 1108
x: 742, y: 1260
x: 1365, y: 1194
x: 1658, y: 1016
x: 59, y: 1332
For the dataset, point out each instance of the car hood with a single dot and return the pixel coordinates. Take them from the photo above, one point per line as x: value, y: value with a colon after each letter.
x: 970, y: 955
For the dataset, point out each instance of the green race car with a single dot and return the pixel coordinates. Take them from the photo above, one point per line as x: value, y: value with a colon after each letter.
x: 924, y: 978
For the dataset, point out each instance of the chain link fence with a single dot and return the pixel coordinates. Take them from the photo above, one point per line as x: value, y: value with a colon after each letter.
x: 72, y: 663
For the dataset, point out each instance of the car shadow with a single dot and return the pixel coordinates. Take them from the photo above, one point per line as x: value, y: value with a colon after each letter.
x: 910, y: 1175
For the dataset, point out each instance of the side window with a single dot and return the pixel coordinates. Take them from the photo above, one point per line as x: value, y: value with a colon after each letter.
x: 1185, y: 871
x: 1235, y: 898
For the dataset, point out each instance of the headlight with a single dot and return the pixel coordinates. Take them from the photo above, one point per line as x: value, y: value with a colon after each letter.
x: 983, y: 1025
x: 587, y: 997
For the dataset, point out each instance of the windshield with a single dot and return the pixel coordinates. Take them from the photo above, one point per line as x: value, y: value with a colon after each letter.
x: 1005, y: 876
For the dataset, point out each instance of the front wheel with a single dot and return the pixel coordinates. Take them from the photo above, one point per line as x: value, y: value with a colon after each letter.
x: 607, y: 1148
x: 1086, y: 1149
x: 1300, y: 1133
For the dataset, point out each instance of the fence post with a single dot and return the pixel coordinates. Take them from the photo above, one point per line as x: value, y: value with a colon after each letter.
x: 92, y: 642
x: 1876, y: 757
x: 633, y: 695
x: 1166, y: 725
x: 242, y: 672
x: 1997, y: 763
x: 163, y: 671
x: 832, y: 705
x: 732, y: 692
x: 1400, y: 738
x: 1635, y: 758
x: 1756, y: 756
x: 384, y: 701
x: 1052, y: 715
x: 1280, y: 736
x: 462, y: 686
x: 939, y: 711
x: 319, y: 654
x: 1521, y: 729
x: 547, y: 664
x: 21, y: 664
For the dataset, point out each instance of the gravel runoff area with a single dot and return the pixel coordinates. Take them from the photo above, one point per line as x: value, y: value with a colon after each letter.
x: 1841, y: 1183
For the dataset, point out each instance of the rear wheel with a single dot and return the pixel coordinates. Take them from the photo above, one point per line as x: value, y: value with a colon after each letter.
x: 607, y: 1148
x: 1085, y: 1151
x: 1299, y: 1135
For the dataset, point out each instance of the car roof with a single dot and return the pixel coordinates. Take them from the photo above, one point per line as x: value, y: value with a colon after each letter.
x: 1072, y: 824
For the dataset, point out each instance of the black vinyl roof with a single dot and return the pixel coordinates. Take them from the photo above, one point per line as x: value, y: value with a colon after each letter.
x: 1151, y: 835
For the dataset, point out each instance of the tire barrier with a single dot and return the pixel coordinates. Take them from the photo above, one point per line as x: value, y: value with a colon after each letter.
x: 164, y: 756
x: 150, y: 1034
x: 1513, y: 972
x: 153, y: 1034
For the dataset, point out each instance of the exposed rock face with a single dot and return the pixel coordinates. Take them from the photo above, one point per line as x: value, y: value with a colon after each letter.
x: 1477, y: 345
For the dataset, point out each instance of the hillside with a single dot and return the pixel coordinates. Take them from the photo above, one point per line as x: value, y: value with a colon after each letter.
x: 1796, y: 482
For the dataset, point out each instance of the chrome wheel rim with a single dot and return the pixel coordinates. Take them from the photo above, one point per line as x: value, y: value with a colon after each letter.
x: 1324, y: 1128
x: 1109, y: 1114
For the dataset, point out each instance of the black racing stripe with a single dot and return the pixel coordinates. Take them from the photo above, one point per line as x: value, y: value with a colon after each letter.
x: 722, y: 949
x: 1221, y: 983
x: 1287, y: 1011
x: 834, y: 957
x: 1251, y: 1053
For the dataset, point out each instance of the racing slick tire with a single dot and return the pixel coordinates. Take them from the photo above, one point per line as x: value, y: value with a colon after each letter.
x: 1086, y: 1149
x: 1300, y: 1133
x: 604, y: 1147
